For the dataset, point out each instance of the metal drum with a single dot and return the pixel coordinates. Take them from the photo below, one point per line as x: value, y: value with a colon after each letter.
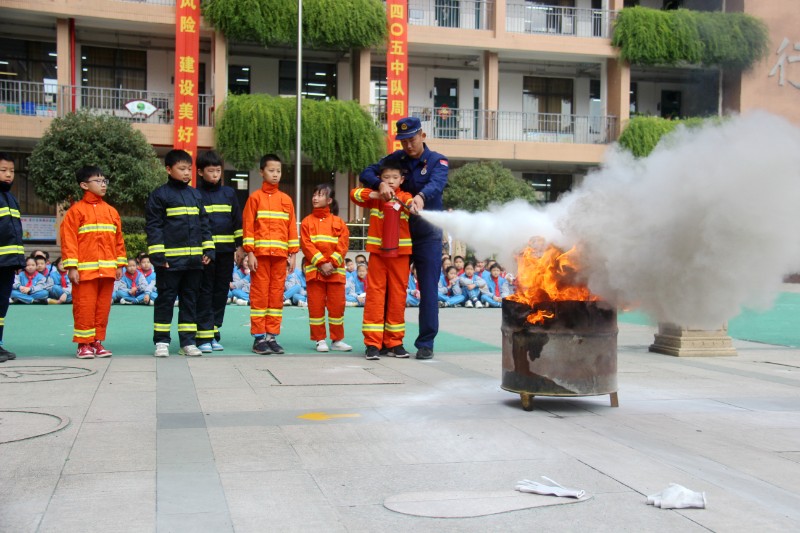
x: 574, y: 353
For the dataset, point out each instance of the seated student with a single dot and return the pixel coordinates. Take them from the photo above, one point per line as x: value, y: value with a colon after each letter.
x: 361, y: 259
x: 497, y: 287
x: 48, y: 267
x: 240, y: 286
x: 149, y: 275
x: 130, y: 288
x: 480, y: 266
x: 450, y: 293
x: 458, y: 262
x: 61, y: 289
x: 473, y: 286
x: 44, y: 268
x: 412, y: 293
x: 487, y: 270
x: 446, y: 263
x: 295, y: 287
x: 355, y: 289
x: 349, y: 268
x: 29, y: 285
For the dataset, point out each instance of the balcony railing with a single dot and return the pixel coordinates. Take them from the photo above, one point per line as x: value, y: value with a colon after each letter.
x: 155, y: 2
x: 483, y: 125
x: 50, y: 100
x: 525, y: 17
x: 464, y: 14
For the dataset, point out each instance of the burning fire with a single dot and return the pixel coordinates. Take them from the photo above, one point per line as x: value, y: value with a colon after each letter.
x: 548, y: 275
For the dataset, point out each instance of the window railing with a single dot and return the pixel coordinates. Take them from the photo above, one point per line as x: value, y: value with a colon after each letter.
x: 155, y: 2
x: 482, y: 125
x: 526, y: 17
x: 464, y: 14
x: 50, y: 100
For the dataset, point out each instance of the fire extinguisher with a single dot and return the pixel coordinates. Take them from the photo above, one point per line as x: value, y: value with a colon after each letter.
x: 391, y: 228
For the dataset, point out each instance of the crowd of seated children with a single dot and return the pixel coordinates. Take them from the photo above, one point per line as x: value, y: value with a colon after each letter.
x: 355, y: 289
x: 473, y: 286
x: 130, y: 288
x: 412, y: 293
x: 240, y: 286
x: 61, y: 287
x: 29, y: 286
x: 294, y: 292
x: 450, y: 292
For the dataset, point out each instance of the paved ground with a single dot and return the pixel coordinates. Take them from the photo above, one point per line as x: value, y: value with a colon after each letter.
x: 318, y: 442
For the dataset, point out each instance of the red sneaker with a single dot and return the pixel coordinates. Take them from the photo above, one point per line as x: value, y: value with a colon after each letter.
x: 100, y: 350
x: 85, y: 351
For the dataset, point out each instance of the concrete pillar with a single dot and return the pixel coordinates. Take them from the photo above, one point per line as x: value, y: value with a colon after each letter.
x: 219, y: 69
x: 619, y: 93
x: 490, y: 89
x: 499, y: 22
x: 362, y: 64
x: 689, y: 342
x: 65, y: 67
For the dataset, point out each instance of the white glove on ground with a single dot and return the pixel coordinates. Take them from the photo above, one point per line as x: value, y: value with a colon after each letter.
x: 554, y: 489
x: 678, y: 497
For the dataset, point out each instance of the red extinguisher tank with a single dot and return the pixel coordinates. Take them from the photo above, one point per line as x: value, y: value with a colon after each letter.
x: 391, y: 229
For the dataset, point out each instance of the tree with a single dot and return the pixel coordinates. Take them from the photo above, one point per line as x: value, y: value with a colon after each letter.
x: 81, y: 139
x: 476, y: 185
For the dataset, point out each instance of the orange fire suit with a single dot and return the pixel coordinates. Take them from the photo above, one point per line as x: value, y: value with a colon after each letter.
x: 269, y: 230
x: 324, y: 238
x: 384, y: 322
x: 91, y: 241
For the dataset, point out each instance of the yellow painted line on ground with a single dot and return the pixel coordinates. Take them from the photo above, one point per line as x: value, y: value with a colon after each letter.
x: 327, y: 416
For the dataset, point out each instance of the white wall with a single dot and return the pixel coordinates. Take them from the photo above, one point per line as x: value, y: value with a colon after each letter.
x: 263, y: 72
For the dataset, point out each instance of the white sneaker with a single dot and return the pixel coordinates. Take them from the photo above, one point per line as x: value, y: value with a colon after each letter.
x: 152, y: 302
x: 322, y: 346
x: 287, y: 301
x: 176, y: 304
x: 350, y: 304
x: 340, y: 346
x: 468, y: 304
x: 301, y: 303
x: 239, y: 301
x: 123, y: 301
x: 190, y: 351
x: 162, y: 350
x: 478, y: 305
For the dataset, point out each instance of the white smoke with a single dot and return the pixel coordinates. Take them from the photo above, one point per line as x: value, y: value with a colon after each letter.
x: 709, y: 223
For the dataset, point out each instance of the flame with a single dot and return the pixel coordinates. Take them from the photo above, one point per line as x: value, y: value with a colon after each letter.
x: 548, y: 275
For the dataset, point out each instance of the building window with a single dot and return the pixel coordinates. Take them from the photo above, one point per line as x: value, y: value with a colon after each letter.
x: 378, y: 92
x: 547, y: 104
x: 238, y: 79
x: 27, y: 60
x: 634, y: 98
x: 319, y: 80
x: 113, y: 68
x: 548, y: 187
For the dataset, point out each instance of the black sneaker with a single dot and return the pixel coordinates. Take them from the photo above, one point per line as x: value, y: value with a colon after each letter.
x: 424, y: 353
x: 274, y: 346
x: 261, y: 347
x: 385, y: 351
x: 3, y: 358
x: 399, y: 352
x: 372, y: 353
x: 8, y: 355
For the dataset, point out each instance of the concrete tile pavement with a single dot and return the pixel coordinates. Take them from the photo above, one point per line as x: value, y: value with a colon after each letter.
x: 317, y: 442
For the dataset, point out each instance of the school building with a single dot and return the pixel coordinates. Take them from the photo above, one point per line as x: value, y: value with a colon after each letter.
x: 534, y: 84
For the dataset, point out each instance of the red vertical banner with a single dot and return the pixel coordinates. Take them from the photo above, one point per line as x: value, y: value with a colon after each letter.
x: 187, y: 65
x: 396, y: 67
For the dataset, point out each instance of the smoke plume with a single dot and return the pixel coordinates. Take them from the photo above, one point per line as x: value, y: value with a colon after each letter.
x: 707, y: 224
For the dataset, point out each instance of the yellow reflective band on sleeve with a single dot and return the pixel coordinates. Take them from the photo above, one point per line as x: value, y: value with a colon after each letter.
x: 183, y: 210
x: 341, y: 271
x: 237, y: 233
x: 275, y: 215
x: 122, y: 261
x: 222, y: 239
x: 395, y: 328
x: 372, y: 327
x: 155, y: 249
x: 9, y: 212
x: 324, y: 238
x: 358, y: 195
x: 179, y: 252
x: 309, y: 268
x: 374, y: 240
x: 219, y: 208
x: 248, y: 241
x: 294, y: 243
x: 376, y: 213
x: 187, y: 327
x: 13, y: 249
x: 405, y: 242
x: 317, y: 321
x: 161, y: 327
x: 336, y: 256
x: 70, y: 263
x: 317, y: 258
x: 90, y: 228
x: 208, y: 244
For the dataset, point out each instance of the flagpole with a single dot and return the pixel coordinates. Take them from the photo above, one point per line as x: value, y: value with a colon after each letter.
x: 298, y: 153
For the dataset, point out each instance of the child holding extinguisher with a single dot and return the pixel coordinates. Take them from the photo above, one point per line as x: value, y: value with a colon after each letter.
x: 324, y: 239
x: 389, y: 244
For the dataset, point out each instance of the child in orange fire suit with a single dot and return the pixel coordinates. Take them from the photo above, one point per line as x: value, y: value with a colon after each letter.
x: 269, y: 238
x: 384, y: 311
x: 94, y: 254
x: 324, y: 239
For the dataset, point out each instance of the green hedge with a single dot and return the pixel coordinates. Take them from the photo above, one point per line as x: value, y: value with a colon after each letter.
x: 476, y: 185
x: 337, y: 135
x: 135, y: 243
x: 643, y: 133
x: 653, y: 37
x: 339, y: 24
x: 132, y: 224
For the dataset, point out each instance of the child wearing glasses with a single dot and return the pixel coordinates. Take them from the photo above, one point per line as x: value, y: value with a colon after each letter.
x: 94, y: 255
